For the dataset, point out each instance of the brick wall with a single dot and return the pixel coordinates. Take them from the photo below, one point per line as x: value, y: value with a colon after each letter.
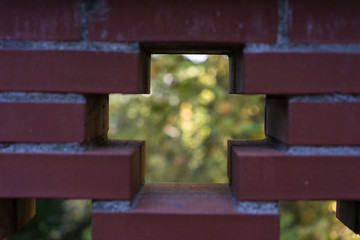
x: 59, y: 60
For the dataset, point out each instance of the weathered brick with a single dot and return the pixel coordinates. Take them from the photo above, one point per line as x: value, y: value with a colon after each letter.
x: 261, y: 172
x: 287, y: 73
x: 319, y: 22
x: 186, y: 21
x: 54, y: 121
x: 40, y: 20
x: 73, y: 71
x: 113, y: 171
x: 183, y: 211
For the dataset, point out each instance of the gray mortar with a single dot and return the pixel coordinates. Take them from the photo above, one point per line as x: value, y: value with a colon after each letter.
x: 314, y: 150
x: 111, y: 206
x: 302, y: 48
x: 130, y: 47
x: 321, y: 150
x: 116, y: 206
x: 41, y: 97
x: 257, y: 207
x: 337, y: 97
x: 282, y: 35
x: 84, y: 28
x: 44, y: 147
x: 87, y: 7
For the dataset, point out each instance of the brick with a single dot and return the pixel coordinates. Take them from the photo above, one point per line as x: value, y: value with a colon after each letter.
x: 186, y: 21
x: 14, y: 214
x: 348, y: 212
x: 297, y: 122
x: 317, y: 22
x: 298, y: 73
x: 54, y: 121
x: 109, y: 172
x: 73, y: 71
x: 261, y: 172
x: 40, y: 20
x: 183, y: 211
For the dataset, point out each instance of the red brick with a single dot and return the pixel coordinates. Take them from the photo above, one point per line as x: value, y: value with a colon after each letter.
x: 54, y: 121
x: 108, y: 172
x: 313, y: 123
x: 40, y: 20
x: 72, y: 71
x: 299, y: 73
x: 183, y: 211
x: 263, y: 173
x: 184, y: 21
x: 14, y: 214
x: 324, y: 22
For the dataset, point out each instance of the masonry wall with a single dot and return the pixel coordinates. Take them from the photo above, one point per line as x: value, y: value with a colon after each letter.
x: 59, y: 60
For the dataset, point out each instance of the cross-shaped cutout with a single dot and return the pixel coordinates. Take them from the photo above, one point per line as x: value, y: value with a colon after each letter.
x: 187, y: 118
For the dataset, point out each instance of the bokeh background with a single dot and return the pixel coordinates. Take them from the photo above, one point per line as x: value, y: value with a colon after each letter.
x: 186, y: 121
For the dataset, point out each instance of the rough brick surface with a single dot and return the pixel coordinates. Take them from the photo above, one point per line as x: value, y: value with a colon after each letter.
x: 184, y: 21
x: 108, y: 172
x: 15, y: 213
x: 40, y: 20
x: 54, y: 121
x: 72, y: 71
x: 264, y: 173
x: 313, y: 123
x: 289, y: 73
x: 320, y: 22
x: 183, y: 211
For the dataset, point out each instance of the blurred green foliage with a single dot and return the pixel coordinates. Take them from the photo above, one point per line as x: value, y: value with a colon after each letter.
x: 186, y: 122
x: 58, y: 220
x: 187, y: 119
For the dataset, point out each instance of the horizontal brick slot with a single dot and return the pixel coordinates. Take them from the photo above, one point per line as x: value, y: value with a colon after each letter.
x: 113, y: 171
x: 73, y: 71
x: 190, y: 21
x: 189, y: 211
x: 263, y: 173
x: 54, y: 121
x: 316, y: 22
x: 297, y: 122
x: 289, y: 73
x: 40, y: 20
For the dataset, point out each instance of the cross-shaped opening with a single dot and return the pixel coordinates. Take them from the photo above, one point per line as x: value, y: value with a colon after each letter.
x: 187, y: 118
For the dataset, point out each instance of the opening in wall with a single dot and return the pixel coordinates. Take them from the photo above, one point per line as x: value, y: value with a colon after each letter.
x: 187, y: 118
x: 58, y: 219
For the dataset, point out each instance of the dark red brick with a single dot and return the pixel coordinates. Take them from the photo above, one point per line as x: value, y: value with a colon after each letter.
x: 324, y: 22
x: 108, y: 172
x: 184, y: 211
x: 184, y: 21
x: 313, y: 123
x: 72, y: 71
x: 263, y: 173
x: 299, y: 73
x: 40, y: 20
x: 14, y: 214
x: 54, y: 121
